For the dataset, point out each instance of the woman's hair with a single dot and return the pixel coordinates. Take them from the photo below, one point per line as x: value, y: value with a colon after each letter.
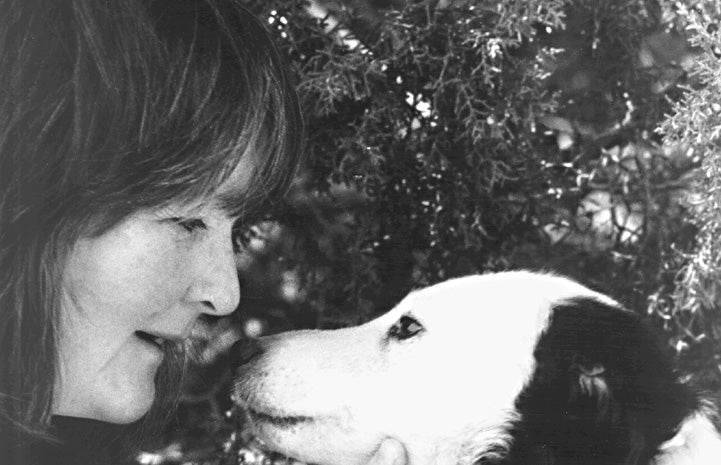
x: 106, y: 108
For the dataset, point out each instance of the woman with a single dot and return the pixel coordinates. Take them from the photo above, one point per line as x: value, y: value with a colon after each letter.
x: 136, y: 140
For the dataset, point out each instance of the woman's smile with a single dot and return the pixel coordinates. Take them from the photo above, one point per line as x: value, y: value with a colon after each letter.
x: 153, y: 344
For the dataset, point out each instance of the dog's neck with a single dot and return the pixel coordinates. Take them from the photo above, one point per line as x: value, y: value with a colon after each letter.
x: 697, y: 443
x: 462, y: 448
x: 447, y: 452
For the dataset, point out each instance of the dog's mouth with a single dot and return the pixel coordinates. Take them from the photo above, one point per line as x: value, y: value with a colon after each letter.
x: 275, y: 419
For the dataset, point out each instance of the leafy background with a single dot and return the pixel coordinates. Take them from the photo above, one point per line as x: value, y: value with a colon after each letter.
x: 455, y: 137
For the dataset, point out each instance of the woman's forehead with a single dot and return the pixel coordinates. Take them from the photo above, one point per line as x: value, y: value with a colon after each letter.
x: 237, y: 186
x: 229, y: 190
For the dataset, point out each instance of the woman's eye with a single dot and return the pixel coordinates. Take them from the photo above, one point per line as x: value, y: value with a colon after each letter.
x: 405, y: 328
x: 240, y: 235
x: 190, y: 225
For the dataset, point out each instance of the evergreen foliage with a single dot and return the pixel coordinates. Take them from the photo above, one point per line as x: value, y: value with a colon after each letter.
x: 455, y: 137
x: 695, y: 122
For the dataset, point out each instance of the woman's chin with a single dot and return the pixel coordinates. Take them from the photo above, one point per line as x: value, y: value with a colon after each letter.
x: 129, y: 408
x: 120, y: 406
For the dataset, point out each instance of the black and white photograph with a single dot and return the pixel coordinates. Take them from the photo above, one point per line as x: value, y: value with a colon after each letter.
x: 360, y: 232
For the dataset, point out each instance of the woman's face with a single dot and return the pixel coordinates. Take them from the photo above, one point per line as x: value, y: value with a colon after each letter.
x: 136, y: 287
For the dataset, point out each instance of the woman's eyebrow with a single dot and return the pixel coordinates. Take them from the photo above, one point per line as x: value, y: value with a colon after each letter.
x: 234, y: 204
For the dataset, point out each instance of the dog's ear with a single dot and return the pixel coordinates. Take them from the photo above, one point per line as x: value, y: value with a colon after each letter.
x: 603, y: 385
x: 588, y: 382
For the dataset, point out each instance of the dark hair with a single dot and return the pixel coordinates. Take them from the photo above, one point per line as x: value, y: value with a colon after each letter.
x: 106, y: 108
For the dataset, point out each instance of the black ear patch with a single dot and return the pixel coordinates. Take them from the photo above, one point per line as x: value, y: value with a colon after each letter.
x: 604, y: 391
x: 588, y: 382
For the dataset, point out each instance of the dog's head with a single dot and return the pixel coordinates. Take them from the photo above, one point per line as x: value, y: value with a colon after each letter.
x: 504, y: 368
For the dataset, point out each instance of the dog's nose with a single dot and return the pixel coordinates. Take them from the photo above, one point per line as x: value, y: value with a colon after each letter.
x: 244, y: 351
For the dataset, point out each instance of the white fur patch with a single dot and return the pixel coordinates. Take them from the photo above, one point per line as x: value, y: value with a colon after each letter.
x: 697, y: 443
x: 447, y: 393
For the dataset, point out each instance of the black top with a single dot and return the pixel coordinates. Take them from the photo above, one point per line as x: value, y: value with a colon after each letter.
x: 79, y: 441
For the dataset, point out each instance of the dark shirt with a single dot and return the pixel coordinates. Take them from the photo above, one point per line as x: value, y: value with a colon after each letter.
x: 80, y: 441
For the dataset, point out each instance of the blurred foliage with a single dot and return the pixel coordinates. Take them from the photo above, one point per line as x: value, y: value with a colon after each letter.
x: 455, y: 137
x: 695, y: 122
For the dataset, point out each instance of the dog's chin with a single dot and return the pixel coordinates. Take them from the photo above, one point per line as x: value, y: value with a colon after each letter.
x: 317, y: 440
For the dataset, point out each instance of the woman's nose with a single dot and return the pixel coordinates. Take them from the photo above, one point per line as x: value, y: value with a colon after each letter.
x: 216, y: 286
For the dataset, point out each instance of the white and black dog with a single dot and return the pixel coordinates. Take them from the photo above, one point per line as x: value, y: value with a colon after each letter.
x: 513, y: 368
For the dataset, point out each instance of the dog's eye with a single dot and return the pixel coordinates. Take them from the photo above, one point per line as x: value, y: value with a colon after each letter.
x: 405, y: 328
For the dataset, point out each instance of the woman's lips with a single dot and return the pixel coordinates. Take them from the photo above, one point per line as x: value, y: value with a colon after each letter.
x: 154, y: 342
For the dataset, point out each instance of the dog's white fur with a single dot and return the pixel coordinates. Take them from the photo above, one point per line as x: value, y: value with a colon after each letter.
x: 447, y: 394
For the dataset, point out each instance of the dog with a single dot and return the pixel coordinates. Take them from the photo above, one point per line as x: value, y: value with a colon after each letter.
x: 513, y: 368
